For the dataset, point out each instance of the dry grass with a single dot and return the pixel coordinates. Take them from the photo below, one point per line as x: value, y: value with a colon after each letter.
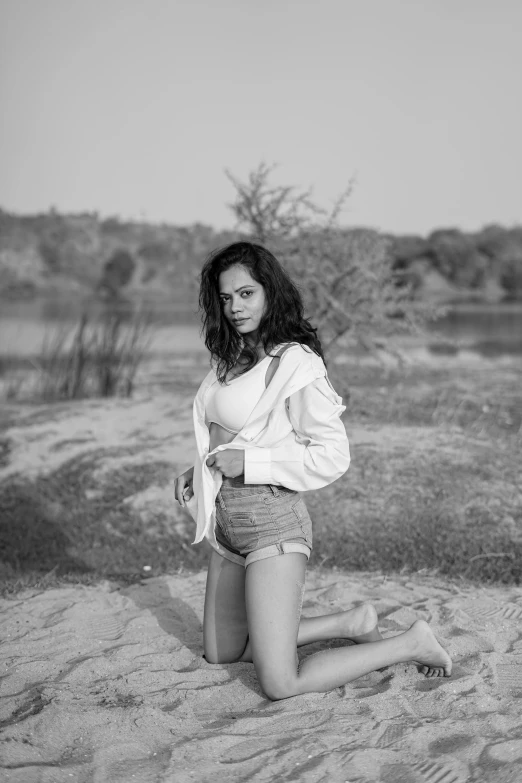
x: 434, y: 486
x: 438, y: 489
x: 483, y: 399
x: 54, y: 529
x: 452, y: 509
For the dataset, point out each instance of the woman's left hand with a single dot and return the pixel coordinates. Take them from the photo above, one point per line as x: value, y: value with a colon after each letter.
x: 231, y: 462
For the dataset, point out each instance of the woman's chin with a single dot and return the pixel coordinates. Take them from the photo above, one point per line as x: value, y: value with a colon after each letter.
x: 245, y: 329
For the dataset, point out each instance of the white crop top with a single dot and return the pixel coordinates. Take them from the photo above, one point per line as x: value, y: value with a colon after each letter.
x: 230, y: 404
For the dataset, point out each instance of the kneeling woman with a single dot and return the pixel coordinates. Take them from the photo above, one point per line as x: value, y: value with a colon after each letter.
x: 267, y: 425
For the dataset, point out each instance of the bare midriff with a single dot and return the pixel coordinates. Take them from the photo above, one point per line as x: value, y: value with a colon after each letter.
x: 219, y: 435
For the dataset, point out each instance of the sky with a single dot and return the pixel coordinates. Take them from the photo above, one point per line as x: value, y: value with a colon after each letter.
x: 135, y: 108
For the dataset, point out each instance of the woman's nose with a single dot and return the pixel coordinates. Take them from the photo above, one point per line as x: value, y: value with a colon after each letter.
x: 236, y: 306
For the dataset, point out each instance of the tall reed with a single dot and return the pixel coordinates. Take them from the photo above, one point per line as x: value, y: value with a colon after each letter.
x: 100, y: 360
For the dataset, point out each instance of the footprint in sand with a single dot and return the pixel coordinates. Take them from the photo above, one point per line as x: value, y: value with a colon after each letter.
x: 433, y: 772
x: 506, y: 752
x: 509, y: 678
x: 126, y: 762
x: 393, y: 734
x: 487, y: 610
x: 103, y: 626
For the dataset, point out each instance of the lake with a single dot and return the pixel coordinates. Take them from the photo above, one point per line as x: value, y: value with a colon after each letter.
x: 487, y: 329
x: 490, y: 330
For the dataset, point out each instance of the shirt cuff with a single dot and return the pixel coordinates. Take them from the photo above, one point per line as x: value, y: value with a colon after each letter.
x: 258, y: 466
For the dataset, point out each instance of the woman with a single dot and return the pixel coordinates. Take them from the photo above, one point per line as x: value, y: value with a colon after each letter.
x: 267, y: 424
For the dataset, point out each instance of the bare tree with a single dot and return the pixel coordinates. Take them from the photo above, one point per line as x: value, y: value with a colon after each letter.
x: 266, y: 211
x: 346, y: 275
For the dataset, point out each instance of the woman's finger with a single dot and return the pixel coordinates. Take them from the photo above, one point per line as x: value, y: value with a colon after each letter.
x: 211, y: 460
x: 178, y: 491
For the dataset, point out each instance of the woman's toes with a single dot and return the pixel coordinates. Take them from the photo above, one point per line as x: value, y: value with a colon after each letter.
x: 433, y: 671
x: 435, y: 657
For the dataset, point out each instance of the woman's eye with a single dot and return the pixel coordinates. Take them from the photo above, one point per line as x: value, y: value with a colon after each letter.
x: 247, y: 293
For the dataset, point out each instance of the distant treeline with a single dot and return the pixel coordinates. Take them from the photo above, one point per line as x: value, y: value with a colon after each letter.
x: 486, y: 264
x: 53, y: 253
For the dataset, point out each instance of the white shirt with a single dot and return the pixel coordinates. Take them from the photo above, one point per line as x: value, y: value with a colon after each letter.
x: 294, y: 437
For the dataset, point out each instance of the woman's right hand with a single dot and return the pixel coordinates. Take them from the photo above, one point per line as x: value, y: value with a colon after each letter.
x: 183, y: 486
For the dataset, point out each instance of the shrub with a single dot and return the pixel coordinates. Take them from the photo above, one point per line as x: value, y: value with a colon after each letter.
x: 117, y: 272
x: 347, y: 275
x: 407, y: 248
x: 457, y: 257
x: 511, y: 278
x: 504, y: 249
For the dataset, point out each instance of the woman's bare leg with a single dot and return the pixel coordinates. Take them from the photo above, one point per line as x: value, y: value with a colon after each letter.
x: 358, y: 625
x: 225, y: 630
x: 273, y: 592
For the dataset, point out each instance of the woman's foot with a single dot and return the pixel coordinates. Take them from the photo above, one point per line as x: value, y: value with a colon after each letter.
x: 360, y: 624
x: 431, y: 657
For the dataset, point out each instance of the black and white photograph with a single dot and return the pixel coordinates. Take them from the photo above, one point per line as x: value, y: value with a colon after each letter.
x: 260, y: 391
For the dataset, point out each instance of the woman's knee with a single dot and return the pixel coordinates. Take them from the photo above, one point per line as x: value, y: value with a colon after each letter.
x: 215, y: 658
x: 277, y: 686
x: 214, y: 655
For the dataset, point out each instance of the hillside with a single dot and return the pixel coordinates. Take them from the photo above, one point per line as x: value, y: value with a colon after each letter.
x: 52, y: 253
x: 56, y: 253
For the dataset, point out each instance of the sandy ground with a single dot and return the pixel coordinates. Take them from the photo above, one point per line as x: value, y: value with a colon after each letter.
x: 109, y: 685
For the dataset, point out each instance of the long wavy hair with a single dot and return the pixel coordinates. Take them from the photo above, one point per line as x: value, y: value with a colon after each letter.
x: 283, y: 320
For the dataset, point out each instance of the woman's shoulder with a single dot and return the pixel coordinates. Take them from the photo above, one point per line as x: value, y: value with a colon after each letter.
x: 299, y: 362
x: 298, y: 352
x: 207, y: 381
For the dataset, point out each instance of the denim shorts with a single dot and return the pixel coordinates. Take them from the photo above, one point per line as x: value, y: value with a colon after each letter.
x: 256, y: 521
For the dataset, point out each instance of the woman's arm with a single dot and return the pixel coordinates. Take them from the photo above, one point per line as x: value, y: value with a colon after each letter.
x: 320, y: 453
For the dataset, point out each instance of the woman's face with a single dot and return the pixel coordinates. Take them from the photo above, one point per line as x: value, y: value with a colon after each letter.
x: 243, y: 300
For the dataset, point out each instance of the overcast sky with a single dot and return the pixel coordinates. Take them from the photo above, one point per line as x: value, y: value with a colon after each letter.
x: 135, y: 107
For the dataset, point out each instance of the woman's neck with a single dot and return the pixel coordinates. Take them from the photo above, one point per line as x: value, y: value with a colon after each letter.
x: 255, y: 346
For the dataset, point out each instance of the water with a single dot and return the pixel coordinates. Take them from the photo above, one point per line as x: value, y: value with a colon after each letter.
x: 490, y: 330
x: 25, y: 324
x: 67, y: 308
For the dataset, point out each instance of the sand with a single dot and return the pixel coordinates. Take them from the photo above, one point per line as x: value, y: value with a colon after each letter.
x: 109, y: 685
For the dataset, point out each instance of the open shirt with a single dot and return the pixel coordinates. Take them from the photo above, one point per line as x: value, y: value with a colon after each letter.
x: 294, y: 437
